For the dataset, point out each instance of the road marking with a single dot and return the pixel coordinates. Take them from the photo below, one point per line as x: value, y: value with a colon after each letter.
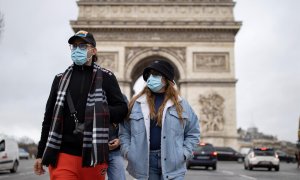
x: 26, y: 173
x: 228, y: 172
x: 17, y: 174
x: 28, y: 167
x: 288, y: 173
x: 247, y: 177
x: 2, y: 177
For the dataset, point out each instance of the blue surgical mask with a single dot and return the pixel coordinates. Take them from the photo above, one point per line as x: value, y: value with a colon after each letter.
x: 79, y: 56
x: 154, y: 83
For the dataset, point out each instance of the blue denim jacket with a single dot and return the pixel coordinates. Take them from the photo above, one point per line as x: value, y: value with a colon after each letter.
x: 177, y: 139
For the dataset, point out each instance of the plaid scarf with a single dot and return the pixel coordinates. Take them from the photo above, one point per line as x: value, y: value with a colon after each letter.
x: 95, y: 137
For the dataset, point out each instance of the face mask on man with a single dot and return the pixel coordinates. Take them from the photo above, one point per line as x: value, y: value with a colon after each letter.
x: 154, y: 83
x: 79, y: 56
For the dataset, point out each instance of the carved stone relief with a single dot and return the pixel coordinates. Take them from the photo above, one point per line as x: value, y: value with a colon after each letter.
x: 212, y: 112
x: 178, y: 52
x: 108, y: 60
x: 215, y: 13
x: 211, y: 62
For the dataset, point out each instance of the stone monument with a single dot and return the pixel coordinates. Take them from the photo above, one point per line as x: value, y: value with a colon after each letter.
x: 196, y: 36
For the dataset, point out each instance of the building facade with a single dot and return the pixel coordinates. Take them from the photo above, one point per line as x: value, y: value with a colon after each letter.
x: 196, y: 36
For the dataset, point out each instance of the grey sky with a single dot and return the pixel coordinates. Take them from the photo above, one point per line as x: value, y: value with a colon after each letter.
x: 33, y: 48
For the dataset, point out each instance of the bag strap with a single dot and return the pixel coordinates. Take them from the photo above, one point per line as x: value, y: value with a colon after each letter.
x: 73, y: 112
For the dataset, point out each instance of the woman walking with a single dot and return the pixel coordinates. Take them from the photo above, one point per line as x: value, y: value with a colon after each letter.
x: 161, y: 129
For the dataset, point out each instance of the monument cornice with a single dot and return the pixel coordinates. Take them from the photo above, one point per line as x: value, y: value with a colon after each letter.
x: 160, y: 35
x: 163, y: 25
x: 157, y: 2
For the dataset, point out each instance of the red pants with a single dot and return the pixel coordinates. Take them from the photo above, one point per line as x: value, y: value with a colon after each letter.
x: 69, y: 168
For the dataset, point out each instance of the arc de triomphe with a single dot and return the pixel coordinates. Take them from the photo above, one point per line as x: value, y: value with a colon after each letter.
x: 195, y: 36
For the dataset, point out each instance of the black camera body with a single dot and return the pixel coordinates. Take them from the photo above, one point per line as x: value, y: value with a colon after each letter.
x: 79, y: 128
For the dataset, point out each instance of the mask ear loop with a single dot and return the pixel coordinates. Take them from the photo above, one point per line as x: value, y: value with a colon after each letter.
x: 90, y: 57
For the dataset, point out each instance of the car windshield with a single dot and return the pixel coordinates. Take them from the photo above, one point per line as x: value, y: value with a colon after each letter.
x: 204, y: 148
x: 267, y: 152
x: 281, y: 153
x: 2, y: 145
x: 221, y: 149
x: 22, y: 150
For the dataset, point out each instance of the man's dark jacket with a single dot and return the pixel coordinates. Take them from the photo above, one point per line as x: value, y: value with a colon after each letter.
x: 79, y: 88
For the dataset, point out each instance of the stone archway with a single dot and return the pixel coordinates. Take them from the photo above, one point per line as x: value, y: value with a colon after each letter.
x: 142, y: 58
x: 197, y: 37
x: 138, y: 68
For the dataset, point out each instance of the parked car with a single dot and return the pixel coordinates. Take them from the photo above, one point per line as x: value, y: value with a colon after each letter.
x: 204, y: 155
x: 284, y: 157
x: 23, y: 154
x: 262, y: 158
x: 228, y: 154
x: 244, y: 151
x: 9, y: 155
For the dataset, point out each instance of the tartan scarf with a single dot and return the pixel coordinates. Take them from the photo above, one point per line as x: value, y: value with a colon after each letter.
x: 96, y: 123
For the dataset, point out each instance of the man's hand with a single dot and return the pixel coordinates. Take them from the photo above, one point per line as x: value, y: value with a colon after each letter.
x: 113, y: 144
x: 38, y: 167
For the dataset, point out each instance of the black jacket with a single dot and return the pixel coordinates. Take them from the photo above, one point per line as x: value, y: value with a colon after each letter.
x: 79, y: 88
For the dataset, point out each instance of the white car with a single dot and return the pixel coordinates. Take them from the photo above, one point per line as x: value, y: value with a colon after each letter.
x: 262, y: 158
x: 23, y: 154
x: 9, y: 155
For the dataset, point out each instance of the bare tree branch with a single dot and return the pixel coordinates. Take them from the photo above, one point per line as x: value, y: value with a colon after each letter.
x: 1, y: 23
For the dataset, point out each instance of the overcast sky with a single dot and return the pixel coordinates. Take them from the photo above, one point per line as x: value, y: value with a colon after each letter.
x: 33, y: 48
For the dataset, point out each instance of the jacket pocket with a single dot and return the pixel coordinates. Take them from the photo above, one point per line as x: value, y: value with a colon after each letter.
x: 180, y: 158
x: 137, y: 123
x: 175, y: 114
x: 176, y: 124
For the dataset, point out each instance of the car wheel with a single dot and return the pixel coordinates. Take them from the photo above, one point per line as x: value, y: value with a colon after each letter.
x: 250, y: 167
x: 188, y: 166
x: 277, y: 168
x: 269, y: 169
x: 214, y: 167
x: 245, y: 167
x: 15, y: 167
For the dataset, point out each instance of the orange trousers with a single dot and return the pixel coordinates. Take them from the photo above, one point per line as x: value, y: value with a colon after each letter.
x: 69, y: 168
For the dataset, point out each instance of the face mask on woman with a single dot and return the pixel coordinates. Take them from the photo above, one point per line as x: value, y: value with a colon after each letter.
x: 79, y: 56
x: 154, y: 83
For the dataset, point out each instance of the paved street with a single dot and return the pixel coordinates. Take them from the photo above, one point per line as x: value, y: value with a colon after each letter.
x: 225, y: 171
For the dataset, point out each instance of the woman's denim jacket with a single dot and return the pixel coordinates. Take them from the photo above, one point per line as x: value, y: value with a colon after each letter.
x: 177, y: 139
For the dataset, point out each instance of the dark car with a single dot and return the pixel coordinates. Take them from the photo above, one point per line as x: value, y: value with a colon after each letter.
x: 229, y: 154
x: 284, y: 157
x: 204, y: 155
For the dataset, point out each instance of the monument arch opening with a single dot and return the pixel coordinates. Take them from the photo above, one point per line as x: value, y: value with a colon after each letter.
x: 137, y: 71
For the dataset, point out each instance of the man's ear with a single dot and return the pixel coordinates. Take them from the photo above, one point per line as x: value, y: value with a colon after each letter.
x: 94, y: 51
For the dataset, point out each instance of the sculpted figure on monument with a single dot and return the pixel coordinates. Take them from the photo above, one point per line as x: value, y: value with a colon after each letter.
x: 212, y: 108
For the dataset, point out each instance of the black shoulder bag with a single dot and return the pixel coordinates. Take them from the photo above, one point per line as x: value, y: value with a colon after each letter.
x: 79, y: 127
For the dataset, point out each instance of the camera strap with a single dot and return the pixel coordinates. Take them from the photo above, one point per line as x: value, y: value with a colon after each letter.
x: 73, y: 112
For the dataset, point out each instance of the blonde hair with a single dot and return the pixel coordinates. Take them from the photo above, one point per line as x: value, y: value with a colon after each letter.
x: 170, y: 93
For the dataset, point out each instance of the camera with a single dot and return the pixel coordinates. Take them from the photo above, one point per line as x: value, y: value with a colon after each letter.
x: 79, y: 128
